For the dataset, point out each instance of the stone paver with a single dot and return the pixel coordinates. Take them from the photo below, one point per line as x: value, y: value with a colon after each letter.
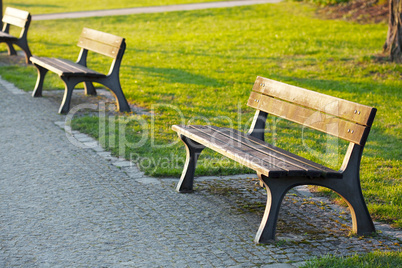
x: 63, y: 204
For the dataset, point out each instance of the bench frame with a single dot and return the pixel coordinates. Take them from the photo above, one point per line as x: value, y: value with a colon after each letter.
x: 21, y: 19
x: 73, y: 73
x: 283, y: 170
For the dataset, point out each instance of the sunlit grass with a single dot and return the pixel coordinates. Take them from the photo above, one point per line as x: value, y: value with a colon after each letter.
x: 370, y: 260
x: 198, y: 67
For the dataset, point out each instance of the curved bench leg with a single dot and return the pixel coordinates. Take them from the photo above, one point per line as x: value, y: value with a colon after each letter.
x: 37, y: 92
x: 89, y: 89
x: 114, y: 85
x: 23, y: 44
x: 351, y: 192
x: 276, y: 190
x: 362, y: 222
x: 10, y: 49
x: 348, y: 188
x: 68, y: 92
x: 193, y: 150
x: 122, y: 104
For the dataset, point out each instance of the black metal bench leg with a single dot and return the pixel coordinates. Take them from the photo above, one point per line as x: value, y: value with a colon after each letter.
x: 89, y: 89
x: 37, y: 92
x: 68, y: 92
x: 193, y: 150
x: 351, y: 191
x: 122, y: 104
x: 276, y: 190
x: 23, y: 44
x: 114, y: 85
x: 362, y: 222
x: 10, y: 49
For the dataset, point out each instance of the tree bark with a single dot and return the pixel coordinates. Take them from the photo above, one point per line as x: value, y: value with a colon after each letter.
x: 1, y: 14
x: 393, y: 45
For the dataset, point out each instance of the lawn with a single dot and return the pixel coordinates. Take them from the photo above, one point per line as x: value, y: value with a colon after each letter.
x: 36, y: 7
x: 370, y: 260
x: 199, y: 67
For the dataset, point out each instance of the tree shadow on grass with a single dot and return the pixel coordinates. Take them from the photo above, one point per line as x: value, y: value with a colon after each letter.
x: 178, y: 76
x: 344, y: 87
x: 21, y: 5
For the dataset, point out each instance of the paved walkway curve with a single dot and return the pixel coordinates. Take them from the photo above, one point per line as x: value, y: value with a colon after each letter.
x: 153, y: 9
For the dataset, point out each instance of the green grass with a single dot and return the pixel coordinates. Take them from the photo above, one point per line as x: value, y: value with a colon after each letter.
x: 50, y: 6
x: 370, y: 260
x: 198, y: 67
x: 325, y: 2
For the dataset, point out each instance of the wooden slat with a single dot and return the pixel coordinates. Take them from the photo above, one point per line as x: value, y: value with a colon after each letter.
x: 348, y: 110
x: 100, y: 42
x: 47, y: 63
x: 234, y: 142
x: 313, y: 168
x: 324, y: 122
x: 16, y: 12
x: 75, y: 68
x: 64, y: 67
x: 15, y: 17
x: 106, y: 38
x: 262, y: 157
x: 234, y: 154
x: 14, y: 21
x: 7, y: 36
x: 98, y: 47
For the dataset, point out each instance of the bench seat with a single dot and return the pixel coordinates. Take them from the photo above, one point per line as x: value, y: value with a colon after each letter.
x: 260, y: 156
x: 16, y: 18
x: 73, y: 73
x: 64, y: 67
x: 7, y: 36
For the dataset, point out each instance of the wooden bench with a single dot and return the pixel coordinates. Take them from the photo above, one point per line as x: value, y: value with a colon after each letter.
x: 279, y: 170
x: 21, y: 19
x: 73, y: 73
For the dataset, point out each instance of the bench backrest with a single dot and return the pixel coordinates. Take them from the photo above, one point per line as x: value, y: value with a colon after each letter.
x: 16, y: 17
x: 102, y: 43
x: 341, y: 118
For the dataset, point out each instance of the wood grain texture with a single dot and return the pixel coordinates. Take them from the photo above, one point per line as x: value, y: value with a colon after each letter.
x: 16, y: 17
x: 65, y: 67
x: 262, y: 157
x: 357, y: 113
x: 314, y: 119
x: 100, y: 42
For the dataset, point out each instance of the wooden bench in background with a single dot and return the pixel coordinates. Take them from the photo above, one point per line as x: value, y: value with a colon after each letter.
x: 73, y: 73
x: 21, y: 19
x: 279, y: 170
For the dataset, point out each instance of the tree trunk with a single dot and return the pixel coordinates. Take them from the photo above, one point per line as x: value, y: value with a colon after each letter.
x: 1, y: 14
x: 393, y: 45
